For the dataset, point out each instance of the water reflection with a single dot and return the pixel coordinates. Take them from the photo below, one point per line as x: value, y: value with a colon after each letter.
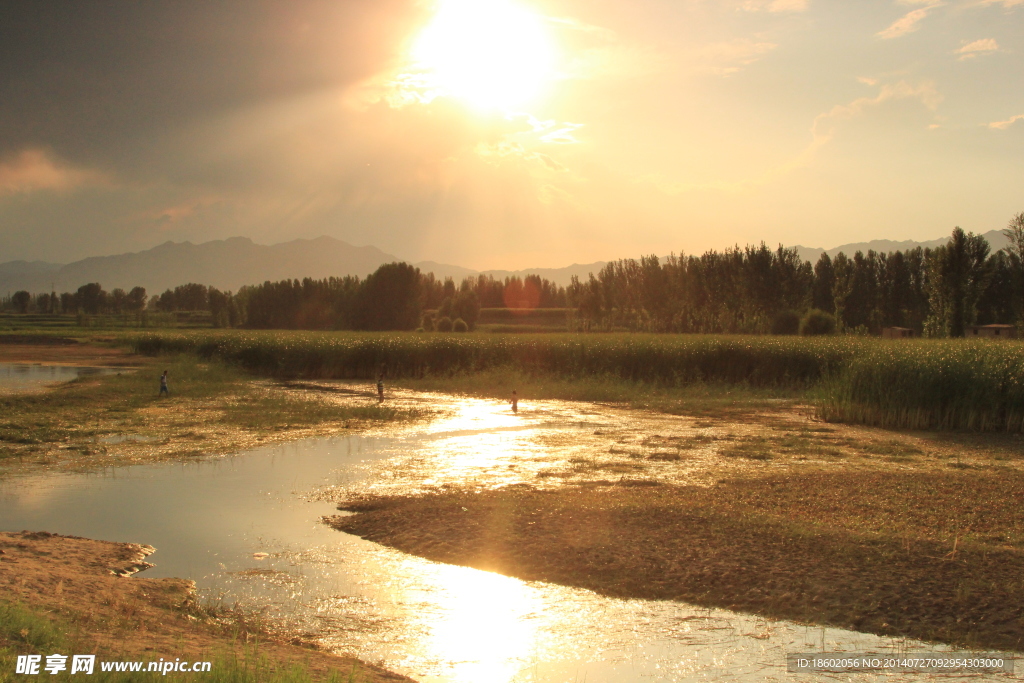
x: 19, y: 377
x: 247, y: 529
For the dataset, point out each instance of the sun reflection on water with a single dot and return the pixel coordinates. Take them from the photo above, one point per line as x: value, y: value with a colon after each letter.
x: 487, y: 623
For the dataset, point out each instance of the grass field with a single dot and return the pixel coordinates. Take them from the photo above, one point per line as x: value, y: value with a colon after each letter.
x: 919, y: 384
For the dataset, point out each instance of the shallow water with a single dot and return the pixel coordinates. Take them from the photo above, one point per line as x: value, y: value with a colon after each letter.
x: 21, y: 377
x: 211, y: 521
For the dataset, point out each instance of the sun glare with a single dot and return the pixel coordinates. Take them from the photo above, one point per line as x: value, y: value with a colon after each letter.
x: 493, y: 54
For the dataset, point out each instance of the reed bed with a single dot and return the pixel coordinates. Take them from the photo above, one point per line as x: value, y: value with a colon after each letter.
x: 670, y: 360
x: 949, y: 384
x: 919, y: 384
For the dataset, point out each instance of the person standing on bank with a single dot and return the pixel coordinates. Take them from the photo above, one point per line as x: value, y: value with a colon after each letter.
x: 163, y: 384
x: 380, y: 389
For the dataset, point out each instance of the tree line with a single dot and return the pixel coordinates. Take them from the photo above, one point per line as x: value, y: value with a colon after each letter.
x: 936, y: 292
x: 394, y: 297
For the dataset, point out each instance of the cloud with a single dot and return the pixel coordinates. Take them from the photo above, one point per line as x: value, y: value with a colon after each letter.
x: 727, y: 58
x: 978, y: 47
x: 1003, y: 125
x: 32, y: 170
x: 825, y: 125
x: 775, y: 5
x: 908, y: 22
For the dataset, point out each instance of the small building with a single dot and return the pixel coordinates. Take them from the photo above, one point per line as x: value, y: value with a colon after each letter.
x: 992, y: 331
x: 897, y: 333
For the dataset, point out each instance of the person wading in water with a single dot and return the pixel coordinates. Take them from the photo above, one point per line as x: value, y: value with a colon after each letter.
x: 380, y: 389
x: 514, y: 401
x: 163, y: 384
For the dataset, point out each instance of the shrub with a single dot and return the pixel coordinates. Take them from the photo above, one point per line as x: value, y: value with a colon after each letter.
x: 443, y: 324
x: 817, y: 322
x: 460, y: 325
x: 786, y: 322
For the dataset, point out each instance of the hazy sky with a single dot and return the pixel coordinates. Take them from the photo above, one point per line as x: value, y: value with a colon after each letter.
x: 507, y: 133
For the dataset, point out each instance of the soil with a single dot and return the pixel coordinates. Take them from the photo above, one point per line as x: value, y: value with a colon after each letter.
x: 778, y: 546
x: 93, y: 585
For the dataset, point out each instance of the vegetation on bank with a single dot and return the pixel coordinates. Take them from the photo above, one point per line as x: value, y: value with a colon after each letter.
x: 28, y: 631
x: 206, y: 397
x: 919, y: 384
x: 938, y: 385
x: 665, y: 360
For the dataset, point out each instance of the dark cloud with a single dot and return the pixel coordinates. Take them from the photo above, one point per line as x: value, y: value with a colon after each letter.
x: 106, y: 83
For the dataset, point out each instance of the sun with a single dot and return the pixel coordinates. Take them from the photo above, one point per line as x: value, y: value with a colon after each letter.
x: 493, y: 54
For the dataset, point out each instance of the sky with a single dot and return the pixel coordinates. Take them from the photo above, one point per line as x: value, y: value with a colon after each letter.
x: 507, y: 133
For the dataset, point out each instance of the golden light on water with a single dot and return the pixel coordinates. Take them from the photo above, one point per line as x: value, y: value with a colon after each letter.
x: 488, y: 624
x: 493, y: 54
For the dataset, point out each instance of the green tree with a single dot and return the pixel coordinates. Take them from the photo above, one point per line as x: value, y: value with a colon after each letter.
x: 467, y: 307
x: 817, y: 322
x: 21, y: 300
x: 192, y: 297
x: 91, y: 298
x: 118, y: 301
x: 824, y: 281
x: 389, y: 299
x: 958, y: 274
x: 136, y: 301
x: 1015, y: 249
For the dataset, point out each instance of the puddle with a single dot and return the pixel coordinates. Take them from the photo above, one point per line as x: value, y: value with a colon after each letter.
x: 246, y: 529
x: 19, y: 377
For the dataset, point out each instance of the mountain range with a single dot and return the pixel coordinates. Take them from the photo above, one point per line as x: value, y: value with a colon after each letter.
x: 231, y: 263
x: 996, y: 239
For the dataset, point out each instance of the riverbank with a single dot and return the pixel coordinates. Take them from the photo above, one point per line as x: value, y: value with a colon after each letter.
x: 770, y: 512
x: 933, y: 555
x: 121, y: 419
x: 79, y: 596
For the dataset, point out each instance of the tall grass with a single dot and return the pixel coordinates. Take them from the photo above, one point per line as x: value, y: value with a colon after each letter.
x: 950, y: 384
x: 670, y: 360
x: 919, y: 384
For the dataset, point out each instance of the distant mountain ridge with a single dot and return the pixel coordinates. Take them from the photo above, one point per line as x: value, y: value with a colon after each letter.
x: 232, y: 263
x: 238, y: 261
x: 225, y: 264
x: 996, y: 239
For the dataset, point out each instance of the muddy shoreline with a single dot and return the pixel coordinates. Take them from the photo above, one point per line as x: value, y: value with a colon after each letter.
x: 89, y: 584
x: 721, y: 547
